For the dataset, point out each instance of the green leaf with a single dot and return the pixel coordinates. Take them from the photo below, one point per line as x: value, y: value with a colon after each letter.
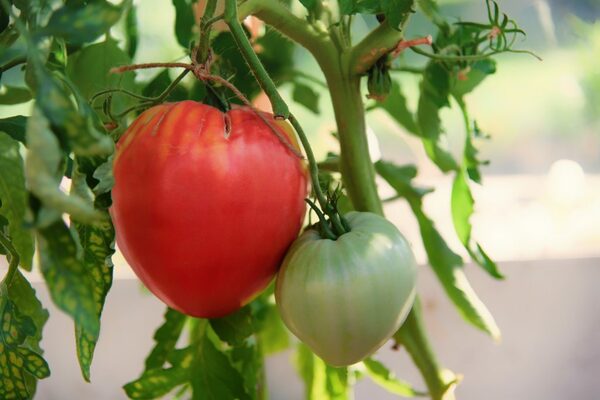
x: 214, y: 377
x: 385, y: 378
x: 156, y: 383
x: 23, y: 296
x: 89, y: 69
x: 431, y: 10
x: 13, y: 198
x: 312, y: 370
x: 75, y: 128
x: 16, y: 360
x: 435, y: 88
x: 15, y: 95
x: 305, y: 95
x: 446, y: 264
x: 14, y: 127
x: 477, y: 72
x: 184, y: 21
x: 440, y: 156
x: 104, y: 175
x: 395, y: 11
x: 166, y: 337
x: 273, y: 334
x: 248, y: 360
x: 321, y: 381
x: 79, y: 23
x: 97, y: 247
x: 462, y: 210
x: 395, y: 105
x: 70, y: 284
x: 310, y: 5
x: 234, y: 328
x: 131, y: 31
x: 43, y: 171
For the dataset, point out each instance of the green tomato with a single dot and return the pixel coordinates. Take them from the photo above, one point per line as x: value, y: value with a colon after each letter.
x: 346, y: 298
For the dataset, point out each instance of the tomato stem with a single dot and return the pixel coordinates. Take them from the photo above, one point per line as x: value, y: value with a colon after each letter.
x: 205, y: 28
x: 13, y: 261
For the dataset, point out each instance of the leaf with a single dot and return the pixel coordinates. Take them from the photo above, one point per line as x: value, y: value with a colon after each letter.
x: 234, y: 328
x: 312, y: 370
x: 23, y: 296
x: 184, y: 21
x: 446, y: 264
x: 305, y: 95
x: 395, y: 11
x: 14, y: 127
x: 79, y: 23
x: 156, y: 383
x: 89, y: 69
x: 435, y: 88
x: 104, y: 175
x: 131, y: 31
x: 15, y: 95
x: 70, y: 285
x: 431, y: 10
x: 476, y: 73
x: 74, y: 127
x: 16, y: 360
x: 440, y: 156
x: 385, y: 378
x: 14, y: 200
x: 97, y: 246
x: 462, y: 210
x: 43, y: 173
x: 310, y: 5
x: 166, y: 337
x: 248, y: 359
x: 395, y: 105
x: 214, y: 377
x: 321, y: 381
x: 273, y: 335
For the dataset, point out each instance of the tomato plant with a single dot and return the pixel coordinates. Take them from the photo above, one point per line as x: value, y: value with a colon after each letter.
x: 225, y: 248
x: 206, y: 192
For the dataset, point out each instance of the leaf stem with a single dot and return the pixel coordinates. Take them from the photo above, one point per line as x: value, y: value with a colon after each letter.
x: 205, y: 28
x: 13, y: 260
x: 13, y: 63
x: 280, y: 109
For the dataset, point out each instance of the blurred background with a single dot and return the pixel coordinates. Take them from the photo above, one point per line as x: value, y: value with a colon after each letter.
x: 537, y: 213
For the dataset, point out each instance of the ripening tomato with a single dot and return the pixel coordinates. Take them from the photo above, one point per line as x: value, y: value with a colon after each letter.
x: 204, y: 217
x: 345, y: 298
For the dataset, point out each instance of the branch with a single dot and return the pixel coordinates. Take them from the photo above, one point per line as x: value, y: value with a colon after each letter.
x: 275, y: 14
x: 377, y: 43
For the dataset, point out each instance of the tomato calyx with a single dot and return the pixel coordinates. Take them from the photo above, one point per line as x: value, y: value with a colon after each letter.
x: 332, y: 223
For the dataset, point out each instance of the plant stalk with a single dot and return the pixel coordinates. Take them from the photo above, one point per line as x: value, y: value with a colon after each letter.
x: 342, y: 72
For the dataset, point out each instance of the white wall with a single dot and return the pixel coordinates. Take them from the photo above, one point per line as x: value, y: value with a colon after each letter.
x: 549, y: 313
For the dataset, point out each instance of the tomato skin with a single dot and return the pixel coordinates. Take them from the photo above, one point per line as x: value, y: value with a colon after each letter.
x: 203, y: 219
x: 346, y: 298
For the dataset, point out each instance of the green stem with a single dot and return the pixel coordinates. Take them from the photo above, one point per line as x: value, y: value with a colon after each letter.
x: 205, y: 28
x: 412, y: 336
x: 280, y: 109
x: 13, y: 260
x: 13, y: 63
x: 343, y: 77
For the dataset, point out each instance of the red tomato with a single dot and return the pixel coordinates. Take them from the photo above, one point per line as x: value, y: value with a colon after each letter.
x: 205, y: 219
